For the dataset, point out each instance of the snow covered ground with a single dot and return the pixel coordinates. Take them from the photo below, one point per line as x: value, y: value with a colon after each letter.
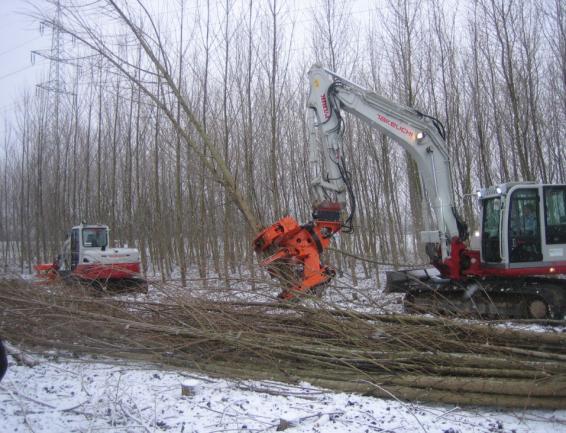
x: 62, y: 394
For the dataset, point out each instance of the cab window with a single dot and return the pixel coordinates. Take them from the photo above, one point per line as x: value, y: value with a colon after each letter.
x: 95, y: 237
x: 555, y: 214
x: 524, y: 226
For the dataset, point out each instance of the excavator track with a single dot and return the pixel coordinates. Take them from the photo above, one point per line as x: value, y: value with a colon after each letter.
x: 487, y: 298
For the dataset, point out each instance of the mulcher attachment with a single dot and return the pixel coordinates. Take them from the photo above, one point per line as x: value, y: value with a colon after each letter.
x: 293, y: 254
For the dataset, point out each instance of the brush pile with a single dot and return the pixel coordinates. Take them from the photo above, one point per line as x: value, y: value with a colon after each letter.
x: 399, y: 356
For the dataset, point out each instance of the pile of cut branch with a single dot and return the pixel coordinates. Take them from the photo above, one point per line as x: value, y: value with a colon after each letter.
x: 406, y: 357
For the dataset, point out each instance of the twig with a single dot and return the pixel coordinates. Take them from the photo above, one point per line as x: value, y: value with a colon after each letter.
x: 394, y: 397
x: 27, y: 398
x: 265, y: 390
x: 13, y: 394
x: 130, y: 416
x: 446, y: 413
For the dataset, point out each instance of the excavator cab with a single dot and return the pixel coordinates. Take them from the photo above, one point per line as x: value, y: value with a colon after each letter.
x: 523, y: 226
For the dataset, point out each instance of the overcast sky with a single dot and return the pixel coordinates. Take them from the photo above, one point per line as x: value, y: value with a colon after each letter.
x: 19, y: 35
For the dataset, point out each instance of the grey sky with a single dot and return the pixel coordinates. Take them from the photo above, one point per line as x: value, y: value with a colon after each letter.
x: 19, y: 35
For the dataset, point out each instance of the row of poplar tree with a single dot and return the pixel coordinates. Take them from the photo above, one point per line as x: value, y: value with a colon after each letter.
x: 181, y: 126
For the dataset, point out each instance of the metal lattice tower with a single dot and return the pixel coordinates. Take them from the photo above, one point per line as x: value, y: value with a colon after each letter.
x: 55, y: 84
x: 56, y: 89
x: 55, y: 54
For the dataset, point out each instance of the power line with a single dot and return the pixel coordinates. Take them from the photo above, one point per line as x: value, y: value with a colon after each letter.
x: 9, y: 50
x: 9, y: 74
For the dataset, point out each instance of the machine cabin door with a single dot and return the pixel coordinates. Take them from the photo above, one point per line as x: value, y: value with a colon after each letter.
x: 75, y: 248
x: 524, y: 234
x: 491, y: 221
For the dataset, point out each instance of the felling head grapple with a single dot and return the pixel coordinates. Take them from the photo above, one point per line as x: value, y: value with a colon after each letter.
x: 294, y: 253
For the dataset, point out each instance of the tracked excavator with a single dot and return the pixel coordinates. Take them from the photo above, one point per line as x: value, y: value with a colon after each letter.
x: 86, y: 256
x: 512, y: 268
